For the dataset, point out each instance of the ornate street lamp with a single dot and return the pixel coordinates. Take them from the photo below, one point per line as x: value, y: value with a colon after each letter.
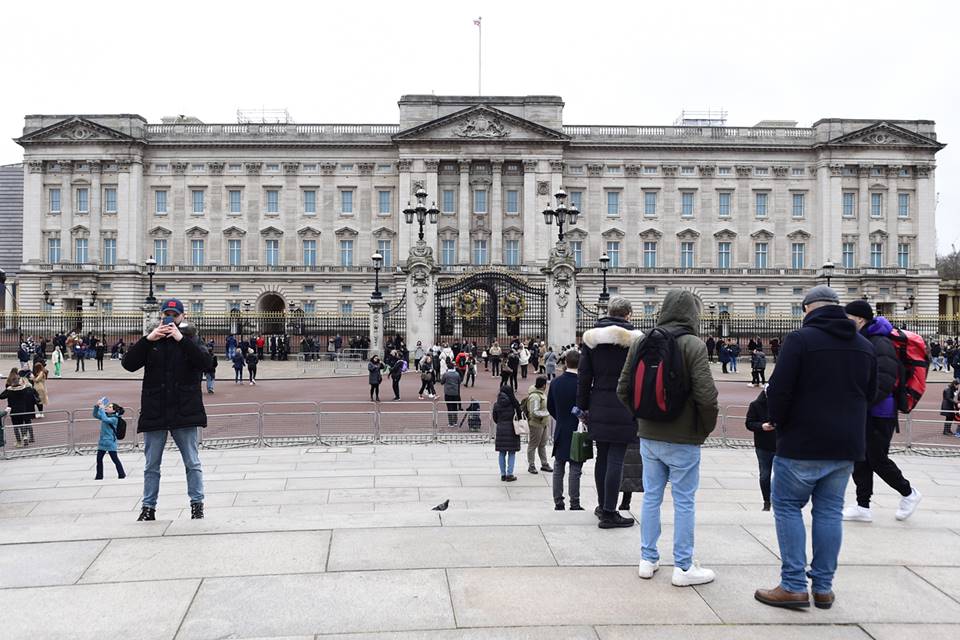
x: 377, y: 265
x: 713, y: 308
x: 604, y: 266
x: 47, y: 299
x: 828, y: 268
x: 151, y: 269
x: 562, y: 214
x: 911, y: 300
x: 421, y: 212
x: 93, y: 297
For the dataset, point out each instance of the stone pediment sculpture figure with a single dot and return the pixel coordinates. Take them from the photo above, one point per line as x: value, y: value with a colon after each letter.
x: 482, y: 126
x: 885, y: 134
x: 76, y: 129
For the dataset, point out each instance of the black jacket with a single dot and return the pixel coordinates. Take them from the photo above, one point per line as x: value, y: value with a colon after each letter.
x: 504, y: 411
x: 603, y: 352
x: 21, y: 398
x: 171, y: 397
x: 632, y: 478
x: 561, y: 395
x: 757, y: 414
x: 826, y: 377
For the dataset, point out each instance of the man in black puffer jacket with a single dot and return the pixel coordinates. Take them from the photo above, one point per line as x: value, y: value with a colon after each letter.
x: 881, y: 420
x: 611, y: 426
x: 173, y: 359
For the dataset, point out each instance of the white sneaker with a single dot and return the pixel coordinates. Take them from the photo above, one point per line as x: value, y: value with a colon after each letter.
x: 908, y: 505
x: 856, y: 513
x: 694, y: 575
x: 647, y: 569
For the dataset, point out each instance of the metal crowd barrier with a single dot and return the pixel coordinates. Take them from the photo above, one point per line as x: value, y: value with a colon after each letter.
x: 339, y: 423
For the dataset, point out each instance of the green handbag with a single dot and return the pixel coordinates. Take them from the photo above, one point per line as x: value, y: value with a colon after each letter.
x: 581, y: 446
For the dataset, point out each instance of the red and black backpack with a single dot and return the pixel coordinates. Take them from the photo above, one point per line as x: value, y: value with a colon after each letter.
x: 659, y: 385
x: 914, y: 359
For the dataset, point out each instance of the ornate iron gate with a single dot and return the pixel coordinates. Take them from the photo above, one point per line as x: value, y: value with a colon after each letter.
x: 586, y: 317
x: 490, y: 305
x: 395, y: 319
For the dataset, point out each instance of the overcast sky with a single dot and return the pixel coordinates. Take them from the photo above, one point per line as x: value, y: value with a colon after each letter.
x: 613, y: 63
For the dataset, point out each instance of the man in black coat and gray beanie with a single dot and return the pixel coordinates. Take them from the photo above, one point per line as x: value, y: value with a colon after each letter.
x: 881, y: 420
x: 173, y: 359
x: 611, y: 426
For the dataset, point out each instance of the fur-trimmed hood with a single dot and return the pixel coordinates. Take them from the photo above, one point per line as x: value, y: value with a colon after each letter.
x: 620, y: 333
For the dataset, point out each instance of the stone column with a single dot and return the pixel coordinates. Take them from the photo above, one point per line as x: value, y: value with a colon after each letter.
x: 421, y: 270
x: 67, y: 198
x: 95, y: 202
x: 529, y: 211
x: 863, y: 215
x: 376, y: 326
x: 463, y: 217
x: 561, y: 296
x: 496, y: 214
x: 432, y: 185
x: 925, y: 207
x: 404, y: 195
x: 35, y: 206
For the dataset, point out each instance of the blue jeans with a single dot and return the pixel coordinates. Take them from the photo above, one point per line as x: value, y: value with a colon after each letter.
x: 210, y: 379
x: 733, y: 364
x: 795, y: 482
x: 680, y: 464
x: 507, y: 458
x: 187, y: 439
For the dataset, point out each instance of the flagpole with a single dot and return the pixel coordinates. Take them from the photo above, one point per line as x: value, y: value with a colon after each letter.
x: 479, y: 57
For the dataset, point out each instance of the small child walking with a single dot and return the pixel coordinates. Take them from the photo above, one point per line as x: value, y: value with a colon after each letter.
x: 252, y: 360
x: 109, y: 416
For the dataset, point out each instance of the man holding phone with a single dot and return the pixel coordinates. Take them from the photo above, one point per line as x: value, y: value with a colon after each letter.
x: 171, y: 401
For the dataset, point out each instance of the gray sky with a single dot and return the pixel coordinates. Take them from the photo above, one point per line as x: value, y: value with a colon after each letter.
x: 612, y: 62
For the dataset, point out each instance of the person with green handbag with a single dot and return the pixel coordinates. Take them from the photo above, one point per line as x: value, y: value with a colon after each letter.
x: 561, y: 398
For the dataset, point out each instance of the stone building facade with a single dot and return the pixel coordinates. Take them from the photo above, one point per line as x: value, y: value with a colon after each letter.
x: 281, y: 214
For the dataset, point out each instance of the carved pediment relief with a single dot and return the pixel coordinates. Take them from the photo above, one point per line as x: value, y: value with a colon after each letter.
x: 725, y: 234
x: 347, y: 232
x: 234, y: 232
x: 195, y: 231
x: 613, y: 232
x: 688, y: 233
x: 80, y: 230
x: 799, y: 234
x: 271, y: 231
x: 576, y: 234
x: 76, y: 129
x: 383, y: 232
x: 160, y: 232
x: 762, y: 234
x: 308, y: 232
x: 884, y: 134
x: 479, y: 123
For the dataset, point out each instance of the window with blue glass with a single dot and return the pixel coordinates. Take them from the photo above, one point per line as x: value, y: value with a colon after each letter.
x: 799, y: 205
x: 613, y: 252
x: 903, y: 255
x: 798, y: 252
x: 613, y: 203
x: 272, y: 253
x: 197, y: 195
x: 383, y: 202
x: 54, y: 200
x: 309, y: 253
x: 876, y: 255
x: 513, y: 201
x: 760, y: 255
x: 235, y: 196
x: 687, y: 255
x: 83, y: 201
x: 849, y: 204
x: 346, y: 201
x: 479, y: 252
x: 160, y: 251
x: 449, y: 200
x: 234, y: 257
x: 80, y: 251
x: 576, y: 247
x: 110, y: 200
x: 649, y: 254
x: 903, y: 205
x: 196, y: 252
x: 160, y: 201
x: 723, y: 255
x: 876, y: 205
x: 309, y: 201
x: 479, y: 201
x: 511, y: 253
x: 53, y: 250
x: 649, y: 203
x: 723, y: 201
x: 346, y: 253
x: 448, y: 252
x: 847, y: 255
x: 576, y: 200
x: 109, y: 251
x: 762, y: 199
x: 273, y: 201
x: 385, y: 248
x: 686, y: 204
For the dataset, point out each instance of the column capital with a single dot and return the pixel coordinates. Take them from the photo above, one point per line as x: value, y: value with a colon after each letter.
x: 215, y: 168
x: 179, y: 168
x: 496, y: 166
x: 94, y: 165
x: 36, y: 166
x: 404, y: 164
x: 530, y: 166
x: 556, y: 166
x: 464, y: 166
x: 431, y: 165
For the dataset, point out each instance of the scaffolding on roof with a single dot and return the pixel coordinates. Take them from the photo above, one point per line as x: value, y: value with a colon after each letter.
x: 702, y: 118
x: 263, y: 116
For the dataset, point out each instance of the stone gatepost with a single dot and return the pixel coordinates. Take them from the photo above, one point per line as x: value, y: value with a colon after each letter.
x: 376, y: 326
x: 560, y: 274
x: 421, y: 273
x: 151, y: 316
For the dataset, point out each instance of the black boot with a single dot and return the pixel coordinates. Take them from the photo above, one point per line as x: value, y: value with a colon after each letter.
x: 613, y: 520
x: 558, y: 505
x: 532, y: 469
x: 766, y: 506
x: 575, y: 506
x: 147, y: 514
x: 196, y: 511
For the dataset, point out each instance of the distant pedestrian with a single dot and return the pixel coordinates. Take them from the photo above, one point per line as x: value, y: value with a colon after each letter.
x: 21, y: 399
x: 396, y: 373
x: 238, y: 363
x: 711, y: 345
x: 948, y: 407
x: 211, y: 373
x: 109, y: 417
x: 550, y: 364
x: 505, y: 410
x: 819, y: 393
x: 764, y: 442
x: 374, y: 377
x: 252, y: 361
x: 40, y: 386
x: 57, y: 359
x: 758, y: 366
x: 538, y: 419
x: 100, y: 351
x: 451, y: 394
x: 80, y: 353
x: 494, y: 353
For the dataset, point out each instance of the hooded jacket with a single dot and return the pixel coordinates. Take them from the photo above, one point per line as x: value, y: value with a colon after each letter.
x: 699, y: 415
x: 603, y: 353
x: 877, y: 331
x: 825, y: 379
x: 171, y: 397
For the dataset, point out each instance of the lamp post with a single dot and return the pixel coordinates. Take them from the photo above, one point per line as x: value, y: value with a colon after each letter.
x: 911, y: 300
x: 377, y: 265
x: 151, y: 269
x: 421, y: 212
x: 604, y: 294
x: 713, y: 308
x: 828, y: 268
x: 562, y: 214
x: 243, y: 325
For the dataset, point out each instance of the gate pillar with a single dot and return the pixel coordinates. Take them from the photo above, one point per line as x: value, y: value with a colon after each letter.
x: 421, y: 272
x: 560, y: 274
x: 150, y: 316
x: 376, y: 326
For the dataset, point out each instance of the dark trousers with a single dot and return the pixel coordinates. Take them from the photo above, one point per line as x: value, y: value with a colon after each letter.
x: 504, y: 378
x: 471, y: 377
x: 724, y: 366
x: 453, y: 406
x: 375, y: 391
x: 22, y: 430
x: 237, y: 375
x: 252, y: 372
x: 879, y: 433
x: 608, y: 473
x: 759, y: 376
x: 116, y: 463
x: 495, y: 365
x: 513, y: 379
x: 81, y: 365
x: 523, y: 371
x: 99, y: 363
x: 765, y: 460
x: 396, y: 387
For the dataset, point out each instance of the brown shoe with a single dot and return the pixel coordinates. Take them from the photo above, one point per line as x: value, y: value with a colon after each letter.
x: 823, y: 600
x: 780, y: 597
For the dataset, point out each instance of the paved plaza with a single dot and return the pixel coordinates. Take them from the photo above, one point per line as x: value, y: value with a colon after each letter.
x: 342, y: 543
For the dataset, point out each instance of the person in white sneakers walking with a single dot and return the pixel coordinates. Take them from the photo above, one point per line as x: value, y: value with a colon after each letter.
x: 881, y: 421
x: 670, y: 449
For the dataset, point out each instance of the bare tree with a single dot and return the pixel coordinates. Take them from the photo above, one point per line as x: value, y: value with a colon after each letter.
x: 948, y: 266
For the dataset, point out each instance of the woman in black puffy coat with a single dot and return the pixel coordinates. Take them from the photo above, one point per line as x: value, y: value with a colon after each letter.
x: 507, y: 442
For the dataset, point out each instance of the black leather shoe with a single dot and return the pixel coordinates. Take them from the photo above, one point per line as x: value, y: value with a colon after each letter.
x: 546, y: 468
x: 598, y: 512
x: 558, y: 506
x: 196, y: 511
x: 614, y: 521
x: 147, y: 514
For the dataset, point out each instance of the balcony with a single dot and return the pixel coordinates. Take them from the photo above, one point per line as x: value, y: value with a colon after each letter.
x: 263, y: 268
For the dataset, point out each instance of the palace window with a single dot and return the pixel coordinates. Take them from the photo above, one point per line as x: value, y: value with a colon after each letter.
x: 876, y: 205
x: 385, y: 248
x: 479, y: 252
x: 480, y: 201
x: 760, y: 255
x: 160, y: 251
x: 903, y: 205
x: 511, y: 253
x: 723, y: 202
x: 847, y: 254
x: 109, y: 251
x: 83, y: 200
x: 346, y: 253
x: 309, y: 201
x: 649, y: 254
x: 762, y: 197
x: 54, y: 200
x: 686, y: 204
x: 799, y: 205
x: 234, y: 257
x: 576, y: 247
x: 797, y: 255
x: 723, y: 255
x: 613, y: 252
x: 197, y: 195
x: 649, y: 203
x: 196, y: 252
x: 513, y: 201
x: 686, y: 255
x: 876, y: 255
x: 448, y: 252
x: 80, y: 251
x: 160, y: 201
x: 849, y: 204
x: 110, y: 200
x: 309, y: 253
x: 903, y: 255
x: 53, y: 250
x: 383, y: 202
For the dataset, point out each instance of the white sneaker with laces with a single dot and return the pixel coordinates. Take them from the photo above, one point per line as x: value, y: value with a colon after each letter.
x: 908, y: 505
x: 692, y: 576
x: 647, y: 569
x: 856, y: 513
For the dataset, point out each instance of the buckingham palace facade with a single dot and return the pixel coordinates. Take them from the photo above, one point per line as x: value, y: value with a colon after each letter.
x: 274, y: 215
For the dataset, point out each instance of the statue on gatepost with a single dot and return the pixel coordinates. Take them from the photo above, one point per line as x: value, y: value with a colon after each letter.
x: 560, y: 274
x: 421, y: 271
x: 376, y: 325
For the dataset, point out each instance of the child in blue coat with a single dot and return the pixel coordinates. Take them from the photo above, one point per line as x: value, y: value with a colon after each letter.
x: 108, y: 415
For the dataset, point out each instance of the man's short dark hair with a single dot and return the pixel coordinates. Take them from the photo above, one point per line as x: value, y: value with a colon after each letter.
x: 540, y: 382
x: 571, y: 358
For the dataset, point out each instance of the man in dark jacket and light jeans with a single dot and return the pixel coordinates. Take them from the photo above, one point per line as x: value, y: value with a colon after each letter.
x: 825, y: 379
x: 881, y: 420
x: 173, y: 360
x: 671, y: 449
x: 609, y: 422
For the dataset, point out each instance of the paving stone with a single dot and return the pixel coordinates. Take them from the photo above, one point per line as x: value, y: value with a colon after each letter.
x: 419, y: 481
x: 170, y: 483
x: 502, y: 598
x: 731, y: 632
x: 317, y: 521
x: 947, y: 579
x: 526, y: 516
x: 142, y: 610
x: 374, y: 495
x: 864, y: 594
x: 218, y: 513
x: 591, y: 546
x: 436, y: 495
x: 312, y: 496
x: 58, y: 529
x: 514, y: 633
x: 210, y: 556
x: 16, y: 509
x: 45, y: 564
x: 91, y: 505
x: 913, y: 631
x: 340, y: 482
x: 436, y: 547
x: 58, y: 493
x: 317, y: 510
x: 319, y: 603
